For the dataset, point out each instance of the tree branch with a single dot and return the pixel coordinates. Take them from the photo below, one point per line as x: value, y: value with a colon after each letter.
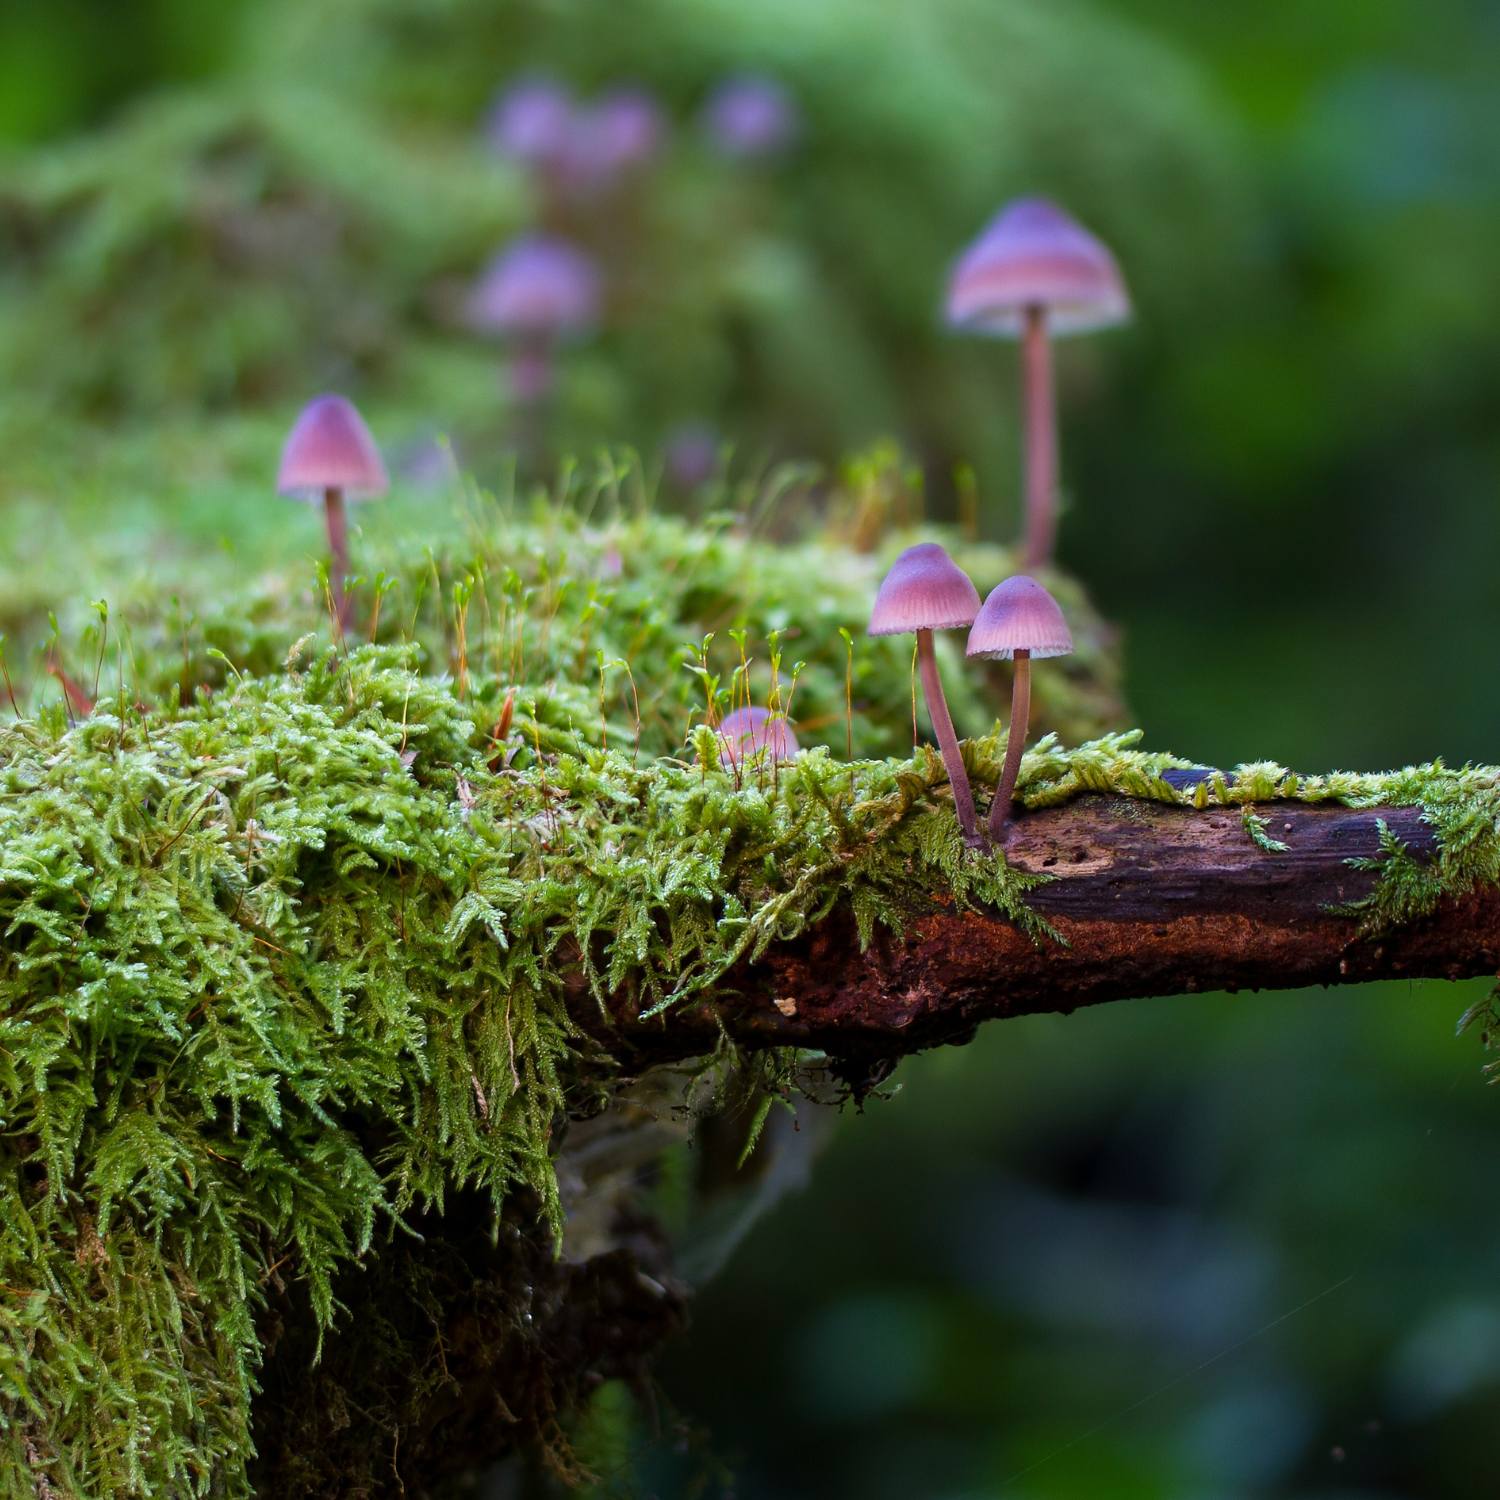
x: 1149, y: 900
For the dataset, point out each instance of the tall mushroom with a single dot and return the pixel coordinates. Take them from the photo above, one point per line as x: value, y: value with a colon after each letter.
x: 1020, y: 619
x: 924, y: 591
x: 330, y: 454
x: 1035, y: 272
x: 538, y: 292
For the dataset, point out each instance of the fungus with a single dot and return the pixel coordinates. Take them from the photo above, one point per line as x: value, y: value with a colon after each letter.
x: 748, y: 731
x: 330, y: 454
x: 924, y: 591
x: 1020, y: 619
x: 622, y: 133
x: 1035, y: 272
x: 532, y: 123
x: 538, y: 292
x: 751, y: 115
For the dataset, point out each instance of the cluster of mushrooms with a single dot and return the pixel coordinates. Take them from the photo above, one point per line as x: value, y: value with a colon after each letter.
x: 1033, y: 272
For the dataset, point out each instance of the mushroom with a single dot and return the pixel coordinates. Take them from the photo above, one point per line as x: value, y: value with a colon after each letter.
x: 1035, y: 272
x: 532, y: 123
x: 538, y: 292
x: 330, y: 453
x: 1020, y: 619
x: 748, y: 731
x: 924, y: 591
x: 751, y: 115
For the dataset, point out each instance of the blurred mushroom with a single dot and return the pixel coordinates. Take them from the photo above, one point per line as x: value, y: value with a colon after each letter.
x: 924, y: 591
x: 748, y: 731
x: 330, y: 453
x: 751, y: 115
x: 1020, y: 619
x: 1032, y: 273
x: 537, y: 293
x: 621, y: 133
x: 532, y: 123
x: 691, y: 455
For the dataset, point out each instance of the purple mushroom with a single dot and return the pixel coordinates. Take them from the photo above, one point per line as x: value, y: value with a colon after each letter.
x: 330, y: 454
x: 751, y: 115
x: 540, y: 288
x: 621, y: 133
x: 748, y: 731
x: 1034, y: 272
x: 1020, y: 619
x: 532, y: 122
x: 691, y: 454
x: 924, y: 591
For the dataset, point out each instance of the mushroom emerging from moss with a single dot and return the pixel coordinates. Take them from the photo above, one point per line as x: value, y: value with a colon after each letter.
x: 330, y: 454
x: 1032, y: 273
x: 924, y: 591
x: 1020, y: 619
x: 748, y: 731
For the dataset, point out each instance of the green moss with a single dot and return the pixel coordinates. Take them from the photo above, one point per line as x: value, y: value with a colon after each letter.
x: 289, y: 922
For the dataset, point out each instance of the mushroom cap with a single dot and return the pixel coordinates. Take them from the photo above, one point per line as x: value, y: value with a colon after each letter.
x: 751, y: 114
x: 1020, y: 615
x: 924, y: 590
x: 538, y: 286
x: 747, y: 731
x: 532, y: 122
x: 1032, y: 254
x: 624, y: 130
x: 330, y: 448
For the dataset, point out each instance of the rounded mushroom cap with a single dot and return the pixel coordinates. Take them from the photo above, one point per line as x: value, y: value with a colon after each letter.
x: 625, y: 130
x: 539, y: 286
x: 750, y: 115
x: 924, y: 590
x: 747, y: 731
x: 330, y: 448
x: 1020, y: 615
x: 532, y: 122
x: 1032, y: 254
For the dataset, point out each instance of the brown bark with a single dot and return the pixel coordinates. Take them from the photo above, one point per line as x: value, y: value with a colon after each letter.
x: 1149, y: 900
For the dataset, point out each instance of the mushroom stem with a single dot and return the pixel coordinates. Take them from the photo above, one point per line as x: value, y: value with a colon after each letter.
x: 1015, y: 743
x: 338, y: 548
x: 1041, y: 439
x: 953, y: 760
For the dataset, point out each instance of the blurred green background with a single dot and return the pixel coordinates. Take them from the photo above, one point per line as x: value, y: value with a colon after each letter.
x: 1207, y: 1247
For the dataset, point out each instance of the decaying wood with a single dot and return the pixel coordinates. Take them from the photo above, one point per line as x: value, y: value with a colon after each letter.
x: 1149, y: 900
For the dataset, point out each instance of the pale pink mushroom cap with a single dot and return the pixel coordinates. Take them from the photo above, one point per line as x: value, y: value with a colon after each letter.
x: 330, y: 448
x: 540, y: 286
x: 747, y: 731
x: 1032, y: 254
x: 925, y: 590
x: 1020, y: 615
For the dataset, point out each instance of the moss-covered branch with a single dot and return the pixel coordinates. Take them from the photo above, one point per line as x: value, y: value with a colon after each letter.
x: 1142, y: 900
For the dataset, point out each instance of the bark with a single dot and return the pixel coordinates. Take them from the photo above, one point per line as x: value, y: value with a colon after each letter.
x: 1148, y: 899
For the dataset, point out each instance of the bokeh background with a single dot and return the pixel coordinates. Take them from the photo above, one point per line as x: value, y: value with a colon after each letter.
x: 1203, y: 1247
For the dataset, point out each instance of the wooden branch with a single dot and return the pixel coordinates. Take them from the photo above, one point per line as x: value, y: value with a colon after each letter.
x: 1150, y: 899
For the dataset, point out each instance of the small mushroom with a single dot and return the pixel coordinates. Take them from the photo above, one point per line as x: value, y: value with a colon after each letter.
x: 537, y: 293
x: 1032, y: 273
x: 532, y: 123
x: 748, y: 731
x: 751, y: 115
x: 1020, y: 619
x: 330, y: 454
x: 924, y: 591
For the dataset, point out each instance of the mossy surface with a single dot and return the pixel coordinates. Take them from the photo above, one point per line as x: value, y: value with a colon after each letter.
x: 288, y: 920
